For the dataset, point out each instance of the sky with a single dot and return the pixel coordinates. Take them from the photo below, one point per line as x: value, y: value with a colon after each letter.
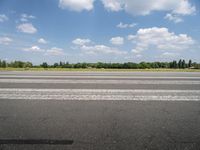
x: 99, y: 30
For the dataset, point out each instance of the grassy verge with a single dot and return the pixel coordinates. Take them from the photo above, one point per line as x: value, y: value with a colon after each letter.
x: 100, y: 70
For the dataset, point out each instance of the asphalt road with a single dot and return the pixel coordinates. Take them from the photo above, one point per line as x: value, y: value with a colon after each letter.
x: 99, y: 111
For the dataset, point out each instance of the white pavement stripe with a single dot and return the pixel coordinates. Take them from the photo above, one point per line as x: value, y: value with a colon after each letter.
x: 99, y: 81
x: 93, y: 94
x: 96, y: 76
x: 101, y: 97
x: 97, y: 90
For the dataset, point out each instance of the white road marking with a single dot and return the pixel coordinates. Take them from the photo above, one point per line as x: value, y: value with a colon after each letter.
x: 97, y: 90
x: 98, y: 94
x: 94, y: 77
x: 99, y: 81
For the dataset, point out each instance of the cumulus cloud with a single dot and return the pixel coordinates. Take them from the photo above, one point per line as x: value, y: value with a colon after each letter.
x: 135, y: 51
x: 145, y: 7
x: 113, y: 5
x: 123, y: 25
x: 117, y: 40
x: 184, y: 8
x: 169, y: 55
x: 101, y: 49
x: 138, y: 56
x: 131, y: 37
x: 42, y: 41
x: 160, y: 39
x: 88, y: 47
x: 3, y: 18
x: 25, y: 17
x: 80, y: 41
x: 34, y: 48
x: 27, y: 28
x: 5, y: 40
x: 54, y: 51
x: 76, y: 5
x: 173, y: 17
x: 177, y: 8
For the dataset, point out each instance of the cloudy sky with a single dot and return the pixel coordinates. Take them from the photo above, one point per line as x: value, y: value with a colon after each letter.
x: 99, y: 30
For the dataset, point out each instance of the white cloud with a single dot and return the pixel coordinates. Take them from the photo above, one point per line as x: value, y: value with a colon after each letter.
x: 145, y: 7
x: 76, y: 5
x: 80, y: 41
x: 42, y: 41
x: 54, y: 51
x: 184, y: 8
x: 3, y: 18
x: 113, y: 5
x: 135, y: 51
x: 34, y: 48
x: 27, y: 28
x: 131, y: 37
x: 173, y: 17
x: 117, y: 40
x: 138, y: 56
x: 169, y: 55
x: 25, y: 17
x: 160, y: 39
x: 101, y: 49
x: 123, y: 26
x: 96, y: 49
x: 5, y: 40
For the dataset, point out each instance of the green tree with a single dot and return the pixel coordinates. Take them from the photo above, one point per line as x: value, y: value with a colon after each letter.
x: 28, y: 65
x: 144, y: 65
x: 173, y: 64
x: 183, y: 65
x: 190, y: 63
x: 4, y: 64
x: 180, y: 64
x: 44, y: 65
x: 55, y: 65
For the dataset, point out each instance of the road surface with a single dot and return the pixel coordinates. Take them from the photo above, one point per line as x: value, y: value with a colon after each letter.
x: 99, y: 111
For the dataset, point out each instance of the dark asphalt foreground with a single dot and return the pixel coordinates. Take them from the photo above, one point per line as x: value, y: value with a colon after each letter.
x: 161, y: 113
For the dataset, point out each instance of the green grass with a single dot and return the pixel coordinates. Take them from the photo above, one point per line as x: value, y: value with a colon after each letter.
x: 100, y: 70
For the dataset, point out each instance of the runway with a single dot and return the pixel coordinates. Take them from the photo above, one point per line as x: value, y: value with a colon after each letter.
x: 99, y: 110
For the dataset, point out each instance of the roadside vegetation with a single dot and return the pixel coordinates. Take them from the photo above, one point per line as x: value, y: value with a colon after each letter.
x: 180, y: 65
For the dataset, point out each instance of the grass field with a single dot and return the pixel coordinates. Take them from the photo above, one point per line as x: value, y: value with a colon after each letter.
x: 100, y: 70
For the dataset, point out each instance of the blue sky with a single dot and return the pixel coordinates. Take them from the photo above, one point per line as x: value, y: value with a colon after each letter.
x: 99, y: 30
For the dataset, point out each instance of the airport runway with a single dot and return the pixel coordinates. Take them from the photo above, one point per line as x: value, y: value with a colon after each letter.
x: 99, y: 110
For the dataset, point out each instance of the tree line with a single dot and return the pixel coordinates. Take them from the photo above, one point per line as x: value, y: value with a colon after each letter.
x: 181, y: 64
x: 15, y: 64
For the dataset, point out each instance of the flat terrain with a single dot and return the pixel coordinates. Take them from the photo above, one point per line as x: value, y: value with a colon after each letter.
x: 99, y: 110
x: 100, y: 69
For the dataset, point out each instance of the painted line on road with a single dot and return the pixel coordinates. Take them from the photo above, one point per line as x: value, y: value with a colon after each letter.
x: 101, y: 97
x: 93, y: 94
x: 93, y: 77
x: 97, y: 90
x: 98, y: 81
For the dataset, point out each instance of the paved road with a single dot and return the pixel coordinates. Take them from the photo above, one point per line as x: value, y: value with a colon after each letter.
x: 99, y: 111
